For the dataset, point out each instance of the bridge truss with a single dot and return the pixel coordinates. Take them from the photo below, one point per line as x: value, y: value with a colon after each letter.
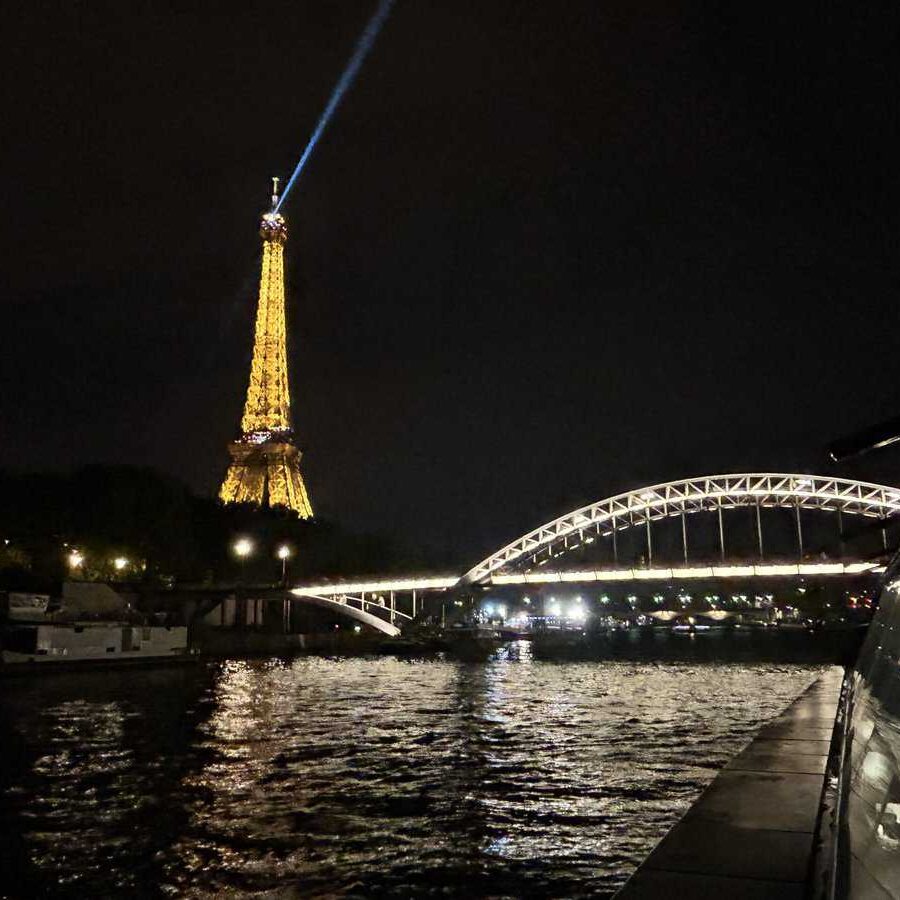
x: 711, y: 493
x: 388, y: 603
x: 385, y: 604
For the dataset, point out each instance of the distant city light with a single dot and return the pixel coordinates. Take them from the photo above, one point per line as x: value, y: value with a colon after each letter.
x: 120, y: 563
x: 75, y: 559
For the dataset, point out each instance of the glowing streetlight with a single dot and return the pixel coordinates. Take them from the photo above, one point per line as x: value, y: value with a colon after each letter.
x: 120, y: 563
x: 243, y: 547
x: 75, y: 560
x: 284, y: 553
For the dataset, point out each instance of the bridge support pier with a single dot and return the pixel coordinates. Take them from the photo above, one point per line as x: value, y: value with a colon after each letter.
x: 721, y: 533
x: 759, y: 539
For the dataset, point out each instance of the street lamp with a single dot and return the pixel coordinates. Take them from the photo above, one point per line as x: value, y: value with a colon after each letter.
x: 243, y: 547
x: 120, y: 563
x: 75, y: 559
x: 284, y: 553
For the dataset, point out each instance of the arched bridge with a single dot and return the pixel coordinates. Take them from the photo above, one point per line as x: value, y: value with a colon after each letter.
x: 714, y: 493
x: 375, y: 602
x: 525, y: 559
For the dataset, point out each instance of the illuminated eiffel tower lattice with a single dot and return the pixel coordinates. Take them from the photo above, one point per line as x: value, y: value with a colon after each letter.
x: 265, y: 462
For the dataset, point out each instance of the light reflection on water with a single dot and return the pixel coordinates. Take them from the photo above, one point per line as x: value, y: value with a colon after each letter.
x: 357, y: 777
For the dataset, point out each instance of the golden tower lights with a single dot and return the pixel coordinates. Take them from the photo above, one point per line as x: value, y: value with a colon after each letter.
x: 265, y: 462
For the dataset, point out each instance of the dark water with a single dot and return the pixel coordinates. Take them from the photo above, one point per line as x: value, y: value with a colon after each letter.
x: 363, y: 777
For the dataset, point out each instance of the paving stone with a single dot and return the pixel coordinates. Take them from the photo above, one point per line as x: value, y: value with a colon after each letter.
x: 813, y: 708
x: 753, y: 760
x: 809, y: 718
x: 786, y: 745
x: 828, y: 703
x: 713, y: 849
x: 761, y: 800
x: 795, y: 731
x: 652, y: 884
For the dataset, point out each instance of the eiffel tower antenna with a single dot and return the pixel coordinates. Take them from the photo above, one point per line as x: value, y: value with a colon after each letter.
x: 265, y: 462
x: 275, y: 181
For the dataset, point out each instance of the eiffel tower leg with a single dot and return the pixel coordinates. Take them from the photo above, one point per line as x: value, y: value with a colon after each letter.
x: 285, y: 482
x: 245, y: 481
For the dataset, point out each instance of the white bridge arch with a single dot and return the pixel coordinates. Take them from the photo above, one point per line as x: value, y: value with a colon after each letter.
x: 691, y: 495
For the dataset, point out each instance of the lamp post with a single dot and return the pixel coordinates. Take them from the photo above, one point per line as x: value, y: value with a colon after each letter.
x: 243, y: 547
x: 284, y: 553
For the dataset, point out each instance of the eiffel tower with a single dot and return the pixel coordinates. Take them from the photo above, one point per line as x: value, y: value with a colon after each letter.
x: 265, y: 462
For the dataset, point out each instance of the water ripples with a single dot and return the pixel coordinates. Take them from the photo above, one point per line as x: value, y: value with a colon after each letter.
x: 364, y: 777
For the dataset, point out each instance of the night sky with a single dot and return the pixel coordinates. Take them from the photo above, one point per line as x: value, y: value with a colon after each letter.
x: 545, y: 251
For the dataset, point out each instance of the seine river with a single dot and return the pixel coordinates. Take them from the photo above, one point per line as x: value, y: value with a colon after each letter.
x: 356, y: 777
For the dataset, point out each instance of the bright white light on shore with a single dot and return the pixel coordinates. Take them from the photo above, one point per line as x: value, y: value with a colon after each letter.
x: 578, y: 614
x: 284, y: 552
x: 120, y: 563
x: 243, y: 547
x: 75, y: 559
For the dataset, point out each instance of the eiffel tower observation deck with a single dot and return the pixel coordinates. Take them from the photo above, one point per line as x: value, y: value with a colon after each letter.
x: 265, y: 462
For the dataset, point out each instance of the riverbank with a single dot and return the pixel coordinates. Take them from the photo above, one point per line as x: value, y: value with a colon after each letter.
x: 752, y: 833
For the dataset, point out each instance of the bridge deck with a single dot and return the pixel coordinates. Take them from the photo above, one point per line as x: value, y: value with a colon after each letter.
x: 751, y: 834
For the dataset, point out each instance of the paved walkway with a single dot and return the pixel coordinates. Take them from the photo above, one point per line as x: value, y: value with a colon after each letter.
x: 751, y: 833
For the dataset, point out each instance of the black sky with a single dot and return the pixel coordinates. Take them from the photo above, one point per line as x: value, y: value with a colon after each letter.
x: 545, y: 251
